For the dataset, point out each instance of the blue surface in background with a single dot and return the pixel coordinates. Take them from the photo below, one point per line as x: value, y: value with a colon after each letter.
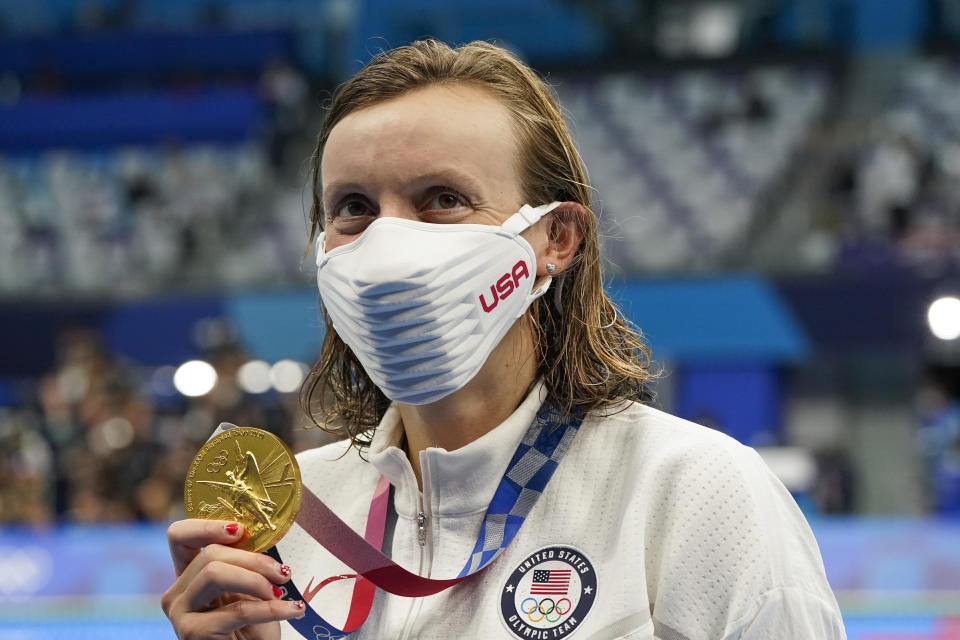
x: 741, y: 401
x: 158, y: 331
x: 145, y: 52
x: 740, y: 319
x: 860, y: 554
x: 563, y: 31
x: 105, y: 582
x: 273, y: 326
x: 858, y: 628
x: 97, y: 121
x: 85, y: 561
x: 156, y: 628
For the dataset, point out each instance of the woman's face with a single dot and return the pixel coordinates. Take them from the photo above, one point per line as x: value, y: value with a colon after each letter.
x: 442, y: 154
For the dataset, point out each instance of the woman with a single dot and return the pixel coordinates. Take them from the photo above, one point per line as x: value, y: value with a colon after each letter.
x: 467, y: 325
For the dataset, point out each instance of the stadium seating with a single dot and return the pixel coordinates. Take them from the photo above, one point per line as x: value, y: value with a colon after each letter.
x: 140, y: 220
x: 907, y: 197
x: 681, y: 161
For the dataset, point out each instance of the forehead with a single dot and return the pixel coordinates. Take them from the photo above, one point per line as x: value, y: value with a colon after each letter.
x: 428, y: 130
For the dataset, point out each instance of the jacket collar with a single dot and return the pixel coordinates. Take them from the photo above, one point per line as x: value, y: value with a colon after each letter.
x: 459, y: 482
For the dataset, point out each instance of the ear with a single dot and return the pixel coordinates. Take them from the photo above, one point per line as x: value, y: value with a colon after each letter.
x: 564, y: 232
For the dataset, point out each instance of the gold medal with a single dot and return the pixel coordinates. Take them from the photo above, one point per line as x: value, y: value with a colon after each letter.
x: 248, y: 476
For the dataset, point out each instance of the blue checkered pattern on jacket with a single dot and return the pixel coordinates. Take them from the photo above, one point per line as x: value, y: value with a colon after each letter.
x: 535, y: 460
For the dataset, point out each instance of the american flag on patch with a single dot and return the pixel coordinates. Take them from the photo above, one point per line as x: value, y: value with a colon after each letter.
x: 550, y: 582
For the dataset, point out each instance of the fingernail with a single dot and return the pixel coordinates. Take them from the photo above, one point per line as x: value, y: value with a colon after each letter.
x: 285, y: 571
x: 298, y: 605
x: 277, y: 593
x: 232, y: 528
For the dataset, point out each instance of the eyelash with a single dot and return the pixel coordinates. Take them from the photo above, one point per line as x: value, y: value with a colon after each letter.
x: 440, y: 191
x: 351, y: 199
x: 433, y: 193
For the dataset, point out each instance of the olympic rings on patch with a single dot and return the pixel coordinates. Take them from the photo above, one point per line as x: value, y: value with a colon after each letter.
x: 553, y: 605
x: 545, y: 610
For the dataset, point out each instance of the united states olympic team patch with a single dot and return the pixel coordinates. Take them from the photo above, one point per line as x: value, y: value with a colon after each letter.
x: 549, y: 594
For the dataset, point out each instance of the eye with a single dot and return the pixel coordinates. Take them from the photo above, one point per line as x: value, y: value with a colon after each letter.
x: 352, y: 207
x: 445, y: 199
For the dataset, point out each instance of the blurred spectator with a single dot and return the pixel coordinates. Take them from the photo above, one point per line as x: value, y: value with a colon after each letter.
x: 101, y: 444
x: 833, y: 489
x: 938, y: 406
x: 284, y: 92
x: 888, y: 186
x: 905, y: 184
x: 26, y: 465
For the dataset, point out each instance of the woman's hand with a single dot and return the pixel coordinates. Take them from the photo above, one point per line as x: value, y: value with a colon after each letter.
x: 222, y: 592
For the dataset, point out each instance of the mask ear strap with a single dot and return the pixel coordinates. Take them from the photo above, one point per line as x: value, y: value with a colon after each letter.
x: 319, y: 247
x: 536, y: 293
x: 542, y: 288
x: 527, y: 217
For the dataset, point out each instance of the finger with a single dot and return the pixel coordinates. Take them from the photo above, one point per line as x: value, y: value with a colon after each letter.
x: 217, y: 577
x: 227, y: 619
x: 257, y: 562
x: 187, y: 537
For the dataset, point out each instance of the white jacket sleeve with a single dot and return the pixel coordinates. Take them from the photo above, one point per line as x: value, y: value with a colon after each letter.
x: 789, y: 613
x: 730, y: 555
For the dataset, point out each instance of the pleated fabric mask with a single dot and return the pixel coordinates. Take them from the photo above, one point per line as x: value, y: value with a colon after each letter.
x: 422, y: 305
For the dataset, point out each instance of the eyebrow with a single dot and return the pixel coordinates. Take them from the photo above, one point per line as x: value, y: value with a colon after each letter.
x: 461, y: 178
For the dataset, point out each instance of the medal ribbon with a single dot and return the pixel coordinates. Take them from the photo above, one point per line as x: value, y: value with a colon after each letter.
x: 536, y: 458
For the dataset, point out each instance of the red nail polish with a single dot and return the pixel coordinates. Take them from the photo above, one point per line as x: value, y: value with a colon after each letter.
x: 277, y: 593
x: 285, y: 571
x: 232, y: 528
x: 298, y: 604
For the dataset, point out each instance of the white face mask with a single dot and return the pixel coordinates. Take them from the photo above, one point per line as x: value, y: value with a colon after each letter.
x: 423, y: 305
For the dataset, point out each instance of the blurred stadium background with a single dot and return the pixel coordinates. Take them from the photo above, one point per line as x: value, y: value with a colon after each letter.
x: 779, y: 189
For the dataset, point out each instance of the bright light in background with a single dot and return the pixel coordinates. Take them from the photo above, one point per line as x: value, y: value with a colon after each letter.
x: 286, y: 375
x: 195, y: 378
x: 117, y: 432
x: 944, y: 318
x: 714, y: 29
x: 254, y: 377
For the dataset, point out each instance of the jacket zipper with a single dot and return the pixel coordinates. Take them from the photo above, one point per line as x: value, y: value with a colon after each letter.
x: 426, y: 551
x: 421, y: 531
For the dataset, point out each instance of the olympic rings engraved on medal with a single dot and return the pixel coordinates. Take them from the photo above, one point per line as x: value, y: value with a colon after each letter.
x: 217, y: 463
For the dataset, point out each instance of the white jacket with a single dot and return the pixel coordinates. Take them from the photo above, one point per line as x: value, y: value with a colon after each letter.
x: 651, y: 528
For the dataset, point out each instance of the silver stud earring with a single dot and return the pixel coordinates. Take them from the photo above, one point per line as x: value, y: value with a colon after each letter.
x: 551, y: 268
